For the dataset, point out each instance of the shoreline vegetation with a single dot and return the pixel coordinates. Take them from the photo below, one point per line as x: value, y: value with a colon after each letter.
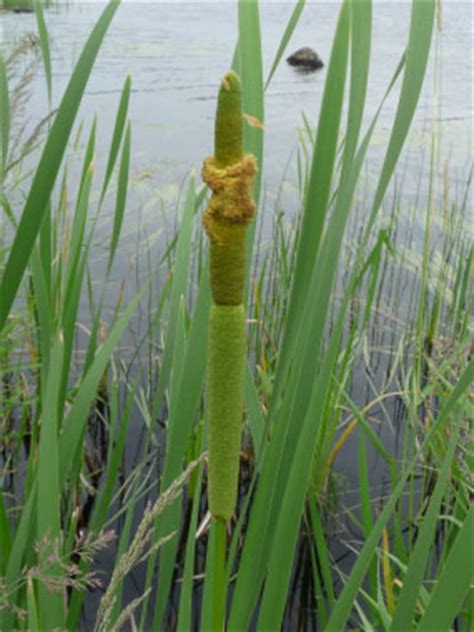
x: 359, y: 358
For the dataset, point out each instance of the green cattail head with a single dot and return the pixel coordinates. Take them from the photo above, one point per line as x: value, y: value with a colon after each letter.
x: 228, y: 133
x: 230, y: 174
x: 226, y: 361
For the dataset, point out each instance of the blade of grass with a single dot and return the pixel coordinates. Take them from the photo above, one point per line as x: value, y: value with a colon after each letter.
x: 255, y: 418
x: 119, y: 126
x: 48, y: 525
x: 421, y: 29
x: 453, y: 584
x: 406, y: 602
x: 44, y: 43
x: 33, y: 619
x: 289, y: 30
x: 4, y: 118
x: 366, y: 507
x: 251, y: 75
x: 24, y: 532
x: 42, y: 309
x: 5, y: 537
x: 387, y: 573
x: 121, y: 197
x: 185, y: 600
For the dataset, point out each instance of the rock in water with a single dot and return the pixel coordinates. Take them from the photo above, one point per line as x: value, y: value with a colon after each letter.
x: 305, y: 58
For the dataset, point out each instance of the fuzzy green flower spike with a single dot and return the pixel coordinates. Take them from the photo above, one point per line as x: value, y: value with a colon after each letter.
x: 230, y: 175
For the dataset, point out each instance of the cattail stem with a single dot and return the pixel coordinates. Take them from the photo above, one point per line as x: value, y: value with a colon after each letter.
x: 230, y: 174
x: 219, y: 597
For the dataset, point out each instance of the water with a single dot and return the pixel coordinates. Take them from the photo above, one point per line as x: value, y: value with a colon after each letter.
x: 177, y: 51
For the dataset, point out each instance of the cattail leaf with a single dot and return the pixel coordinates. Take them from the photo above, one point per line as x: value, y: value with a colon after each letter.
x: 119, y: 126
x: 44, y: 44
x: 121, y: 196
x: 289, y: 30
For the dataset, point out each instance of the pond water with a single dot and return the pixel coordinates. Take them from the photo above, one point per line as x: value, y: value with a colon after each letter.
x: 177, y: 51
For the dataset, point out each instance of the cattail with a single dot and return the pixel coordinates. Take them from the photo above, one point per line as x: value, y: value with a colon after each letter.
x: 229, y: 173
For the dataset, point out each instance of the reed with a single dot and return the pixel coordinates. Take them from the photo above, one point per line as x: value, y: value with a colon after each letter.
x: 230, y: 176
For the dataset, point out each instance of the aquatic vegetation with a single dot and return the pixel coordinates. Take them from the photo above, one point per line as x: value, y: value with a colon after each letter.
x: 339, y: 296
x: 229, y: 174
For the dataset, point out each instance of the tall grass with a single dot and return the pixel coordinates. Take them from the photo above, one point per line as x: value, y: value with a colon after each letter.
x: 315, y: 302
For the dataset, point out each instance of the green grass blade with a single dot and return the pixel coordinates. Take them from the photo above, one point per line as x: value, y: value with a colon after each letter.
x: 48, y: 167
x: 361, y: 38
x: 453, y: 584
x: 251, y: 75
x: 4, y: 119
x: 121, y: 196
x: 89, y: 153
x: 33, y: 618
x: 255, y: 418
x: 406, y: 602
x: 421, y: 28
x: 366, y: 507
x: 371, y: 434
x: 44, y: 43
x: 185, y: 600
x: 5, y: 537
x: 322, y: 549
x: 48, y: 523
x: 23, y: 534
x: 77, y: 239
x: 8, y: 210
x: 42, y: 306
x: 45, y: 252
x: 117, y: 135
x: 290, y: 27
x: 207, y: 599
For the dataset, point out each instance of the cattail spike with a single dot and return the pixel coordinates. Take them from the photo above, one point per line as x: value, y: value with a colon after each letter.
x: 228, y: 132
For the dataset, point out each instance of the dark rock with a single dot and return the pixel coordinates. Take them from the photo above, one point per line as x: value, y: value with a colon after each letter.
x: 305, y: 58
x: 22, y: 10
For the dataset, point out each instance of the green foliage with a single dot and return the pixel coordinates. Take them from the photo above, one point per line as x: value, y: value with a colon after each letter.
x: 314, y: 300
